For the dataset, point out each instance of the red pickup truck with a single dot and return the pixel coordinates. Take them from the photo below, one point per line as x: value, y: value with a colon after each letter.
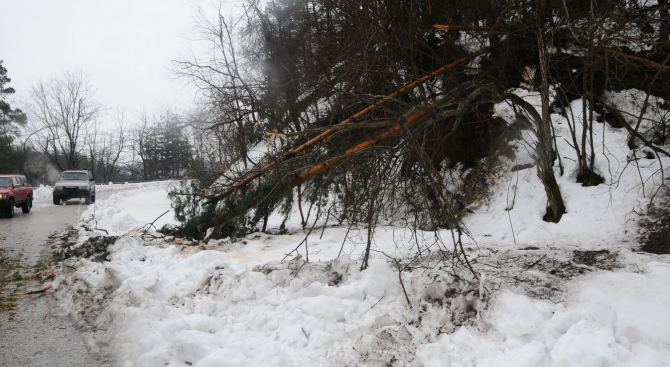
x: 15, y: 191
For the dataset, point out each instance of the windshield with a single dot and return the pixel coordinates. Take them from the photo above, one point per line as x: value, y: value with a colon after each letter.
x: 72, y: 176
x: 5, y: 182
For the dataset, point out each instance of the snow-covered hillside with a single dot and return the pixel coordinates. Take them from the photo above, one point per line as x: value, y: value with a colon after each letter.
x: 576, y: 293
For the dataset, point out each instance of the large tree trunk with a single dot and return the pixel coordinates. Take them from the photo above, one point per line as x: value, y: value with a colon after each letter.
x: 544, y: 152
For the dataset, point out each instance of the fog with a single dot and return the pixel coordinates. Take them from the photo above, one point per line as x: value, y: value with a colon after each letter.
x: 126, y: 47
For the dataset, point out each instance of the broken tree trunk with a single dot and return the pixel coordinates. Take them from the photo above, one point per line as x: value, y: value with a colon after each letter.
x: 340, y: 126
x: 389, y: 134
x: 351, y: 152
x: 38, y: 290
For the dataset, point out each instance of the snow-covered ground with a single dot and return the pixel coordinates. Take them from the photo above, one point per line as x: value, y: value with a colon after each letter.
x: 137, y: 206
x: 179, y: 307
x: 539, y: 300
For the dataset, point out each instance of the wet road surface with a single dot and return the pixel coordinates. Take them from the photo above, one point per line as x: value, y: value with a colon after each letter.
x: 30, y: 332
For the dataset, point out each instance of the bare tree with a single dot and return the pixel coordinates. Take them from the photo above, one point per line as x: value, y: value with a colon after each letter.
x: 66, y: 109
x: 106, y: 147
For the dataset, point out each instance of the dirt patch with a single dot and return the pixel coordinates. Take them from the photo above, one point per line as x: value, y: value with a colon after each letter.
x: 7, y: 304
x: 94, y: 249
x: 656, y: 238
x: 603, y: 259
x: 581, y: 263
x: 592, y: 179
x: 11, y: 280
x: 540, y: 273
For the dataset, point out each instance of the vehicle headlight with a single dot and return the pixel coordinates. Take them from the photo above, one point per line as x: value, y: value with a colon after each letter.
x: 3, y: 196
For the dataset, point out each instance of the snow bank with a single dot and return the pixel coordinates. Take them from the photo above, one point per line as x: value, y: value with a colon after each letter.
x: 171, y: 305
x: 128, y: 185
x: 606, y: 324
x: 42, y: 196
x: 207, y: 309
x: 131, y: 209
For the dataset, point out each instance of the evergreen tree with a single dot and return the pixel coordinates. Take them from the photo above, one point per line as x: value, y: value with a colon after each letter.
x: 165, y: 150
x: 11, y: 119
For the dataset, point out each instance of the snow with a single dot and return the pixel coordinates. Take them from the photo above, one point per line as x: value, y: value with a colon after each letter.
x: 128, y: 185
x: 614, y: 328
x: 170, y: 307
x: 166, y: 302
x: 42, y: 196
x: 602, y: 215
x: 290, y: 323
x: 515, y: 315
x: 641, y: 299
x: 133, y: 208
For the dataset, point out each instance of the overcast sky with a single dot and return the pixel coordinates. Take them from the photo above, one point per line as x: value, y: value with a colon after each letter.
x: 124, y: 46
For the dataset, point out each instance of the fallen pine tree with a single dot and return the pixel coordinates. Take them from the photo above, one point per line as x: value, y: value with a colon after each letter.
x: 424, y: 150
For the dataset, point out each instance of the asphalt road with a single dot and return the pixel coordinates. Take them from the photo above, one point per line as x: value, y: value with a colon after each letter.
x: 30, y: 332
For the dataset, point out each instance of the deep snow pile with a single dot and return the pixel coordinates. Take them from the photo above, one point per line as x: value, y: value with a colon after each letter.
x: 596, y: 302
x: 615, y: 319
x: 42, y: 196
x: 161, y: 306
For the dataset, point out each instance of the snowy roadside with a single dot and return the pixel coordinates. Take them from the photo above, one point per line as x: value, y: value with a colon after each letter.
x: 576, y: 293
x: 43, y: 194
x: 174, y: 304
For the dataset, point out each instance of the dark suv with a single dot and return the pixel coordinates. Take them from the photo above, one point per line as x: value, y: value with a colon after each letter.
x: 75, y: 184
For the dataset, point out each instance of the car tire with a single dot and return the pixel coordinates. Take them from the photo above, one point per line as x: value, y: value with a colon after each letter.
x: 56, y: 199
x: 93, y: 198
x: 9, y: 211
x: 27, y: 205
x: 87, y: 198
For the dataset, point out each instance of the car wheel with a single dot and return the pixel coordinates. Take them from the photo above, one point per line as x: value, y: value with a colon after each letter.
x: 93, y: 198
x: 27, y: 205
x: 9, y: 211
x: 87, y: 198
x: 56, y: 199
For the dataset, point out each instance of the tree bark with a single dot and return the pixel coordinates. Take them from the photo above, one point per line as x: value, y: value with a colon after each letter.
x: 544, y: 152
x: 351, y: 152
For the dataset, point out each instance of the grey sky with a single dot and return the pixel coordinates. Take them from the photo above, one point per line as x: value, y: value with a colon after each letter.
x: 124, y: 46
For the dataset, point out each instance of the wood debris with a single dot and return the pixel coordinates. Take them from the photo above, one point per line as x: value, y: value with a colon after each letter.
x: 38, y: 290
